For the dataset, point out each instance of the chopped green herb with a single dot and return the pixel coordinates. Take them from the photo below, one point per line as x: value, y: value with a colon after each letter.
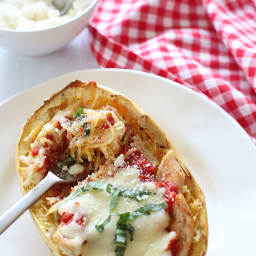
x: 123, y: 218
x: 86, y: 129
x: 89, y: 186
x: 100, y: 228
x: 119, y: 251
x: 129, y: 227
x: 109, y: 188
x: 114, y: 200
x: 122, y: 225
x: 124, y: 192
x: 76, y: 193
x: 147, y: 209
x: 135, y: 194
x: 97, y: 186
x: 120, y: 237
x: 79, y: 112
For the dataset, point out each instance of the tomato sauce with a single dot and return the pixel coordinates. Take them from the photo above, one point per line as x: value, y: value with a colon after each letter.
x: 124, y: 150
x: 66, y: 217
x: 34, y: 151
x: 147, y: 169
x: 170, y: 193
x: 173, y: 246
x: 80, y: 221
x: 49, y: 137
x: 56, y: 151
x: 110, y: 119
x: 58, y: 125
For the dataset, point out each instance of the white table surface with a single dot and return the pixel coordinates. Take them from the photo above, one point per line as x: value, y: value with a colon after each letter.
x: 18, y: 72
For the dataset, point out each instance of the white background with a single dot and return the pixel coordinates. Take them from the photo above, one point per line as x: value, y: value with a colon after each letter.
x: 18, y: 72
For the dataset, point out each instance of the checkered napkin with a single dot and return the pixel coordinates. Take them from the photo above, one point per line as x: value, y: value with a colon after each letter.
x: 206, y: 45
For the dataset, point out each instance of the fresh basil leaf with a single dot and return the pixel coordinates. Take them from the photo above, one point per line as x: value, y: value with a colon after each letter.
x: 130, y: 229
x: 147, y: 209
x: 127, y: 227
x: 97, y: 186
x: 122, y: 227
x: 109, y: 188
x: 135, y: 194
x: 89, y: 186
x: 100, y: 228
x: 125, y: 192
x: 123, y: 218
x: 114, y: 200
x: 87, y: 130
x: 120, y: 237
x: 76, y: 193
x: 119, y: 251
x: 79, y: 112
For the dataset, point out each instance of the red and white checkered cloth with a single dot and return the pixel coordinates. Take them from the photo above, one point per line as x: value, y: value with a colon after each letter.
x: 207, y: 45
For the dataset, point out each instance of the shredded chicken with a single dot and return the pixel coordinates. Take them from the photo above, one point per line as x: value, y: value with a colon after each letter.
x: 170, y: 170
x: 182, y: 224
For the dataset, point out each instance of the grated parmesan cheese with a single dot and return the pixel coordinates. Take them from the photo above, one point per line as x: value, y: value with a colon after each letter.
x: 119, y: 162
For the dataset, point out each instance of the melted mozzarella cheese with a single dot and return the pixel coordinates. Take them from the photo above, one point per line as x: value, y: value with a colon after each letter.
x: 150, y: 237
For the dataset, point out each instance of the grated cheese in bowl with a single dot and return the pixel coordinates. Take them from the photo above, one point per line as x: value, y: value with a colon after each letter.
x: 26, y: 15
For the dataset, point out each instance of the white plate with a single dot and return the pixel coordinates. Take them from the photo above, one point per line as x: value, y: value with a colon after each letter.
x: 219, y: 153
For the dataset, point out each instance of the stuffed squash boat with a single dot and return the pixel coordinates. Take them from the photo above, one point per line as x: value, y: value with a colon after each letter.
x: 138, y: 197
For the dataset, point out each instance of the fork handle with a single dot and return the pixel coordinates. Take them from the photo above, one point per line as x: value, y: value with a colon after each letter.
x: 26, y: 201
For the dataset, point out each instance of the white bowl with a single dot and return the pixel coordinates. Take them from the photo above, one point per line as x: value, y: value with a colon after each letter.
x: 47, y: 40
